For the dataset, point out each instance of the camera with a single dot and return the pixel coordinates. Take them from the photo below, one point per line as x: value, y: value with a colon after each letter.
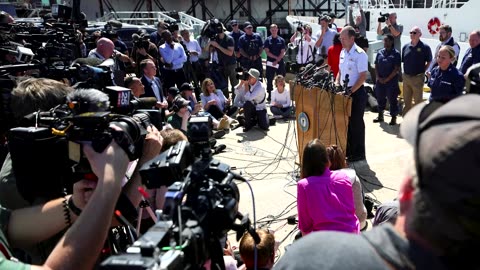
x: 172, y: 26
x: 140, y: 42
x: 201, y: 206
x: 212, y: 28
x: 473, y: 79
x: 242, y: 74
x: 383, y: 17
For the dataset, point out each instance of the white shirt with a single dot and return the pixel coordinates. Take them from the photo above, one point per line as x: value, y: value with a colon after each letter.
x: 306, y: 48
x: 352, y: 62
x: 257, y: 96
x: 282, y: 98
x: 193, y: 45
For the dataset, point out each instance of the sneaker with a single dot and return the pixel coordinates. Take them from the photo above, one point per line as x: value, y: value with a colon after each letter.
x: 219, y: 149
x: 219, y: 134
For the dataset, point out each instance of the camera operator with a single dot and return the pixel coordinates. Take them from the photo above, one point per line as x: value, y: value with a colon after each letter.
x: 251, y: 47
x: 391, y: 27
x: 303, y: 39
x: 143, y: 49
x: 156, y: 37
x: 173, y: 57
x: 105, y: 50
x: 225, y: 48
x: 80, y: 246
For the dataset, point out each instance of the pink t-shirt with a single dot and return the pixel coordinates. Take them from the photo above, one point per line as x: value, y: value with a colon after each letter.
x: 326, y: 203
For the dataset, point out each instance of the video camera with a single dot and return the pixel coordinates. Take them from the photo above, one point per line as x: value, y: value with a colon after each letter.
x: 299, y: 26
x: 473, y: 79
x: 201, y: 207
x: 242, y: 74
x: 49, y: 141
x: 383, y: 17
x: 140, y: 42
x: 212, y: 28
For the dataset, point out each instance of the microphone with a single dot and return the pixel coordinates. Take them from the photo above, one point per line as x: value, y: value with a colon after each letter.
x: 88, y: 100
x: 345, y: 83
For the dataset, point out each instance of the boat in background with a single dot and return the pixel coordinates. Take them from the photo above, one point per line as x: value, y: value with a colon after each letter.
x: 461, y: 15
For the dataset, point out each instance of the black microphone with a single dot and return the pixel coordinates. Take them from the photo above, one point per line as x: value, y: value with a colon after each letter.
x: 345, y: 83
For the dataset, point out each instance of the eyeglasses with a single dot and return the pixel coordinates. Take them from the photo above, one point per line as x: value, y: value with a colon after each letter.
x: 413, y: 33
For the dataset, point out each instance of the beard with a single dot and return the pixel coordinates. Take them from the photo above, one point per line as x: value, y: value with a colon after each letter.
x: 441, y: 38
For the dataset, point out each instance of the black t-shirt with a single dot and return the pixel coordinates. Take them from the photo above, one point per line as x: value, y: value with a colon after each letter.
x: 226, y: 60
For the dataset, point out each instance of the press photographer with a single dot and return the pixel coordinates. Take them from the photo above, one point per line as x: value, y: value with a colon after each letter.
x: 391, y: 27
x: 224, y: 45
x: 302, y: 39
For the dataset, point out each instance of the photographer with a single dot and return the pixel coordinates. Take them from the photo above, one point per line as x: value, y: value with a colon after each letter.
x: 225, y: 47
x: 255, y: 109
x: 83, y: 241
x: 303, y: 39
x: 251, y: 47
x: 392, y: 28
x: 143, y: 49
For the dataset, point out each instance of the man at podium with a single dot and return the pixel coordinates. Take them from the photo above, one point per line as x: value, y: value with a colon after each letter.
x: 351, y: 76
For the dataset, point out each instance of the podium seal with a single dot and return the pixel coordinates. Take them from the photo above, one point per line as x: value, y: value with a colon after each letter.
x: 303, y: 121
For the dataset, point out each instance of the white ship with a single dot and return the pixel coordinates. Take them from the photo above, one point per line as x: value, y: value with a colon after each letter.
x: 461, y: 15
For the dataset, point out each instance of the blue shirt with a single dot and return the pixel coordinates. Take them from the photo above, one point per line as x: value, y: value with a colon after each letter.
x: 386, y: 62
x: 415, y: 58
x: 446, y: 84
x: 236, y: 37
x: 327, y: 41
x: 472, y: 56
x: 175, y: 56
x: 251, y: 44
x: 274, y: 45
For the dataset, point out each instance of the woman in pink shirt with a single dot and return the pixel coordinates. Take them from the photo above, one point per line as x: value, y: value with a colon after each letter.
x: 324, y: 197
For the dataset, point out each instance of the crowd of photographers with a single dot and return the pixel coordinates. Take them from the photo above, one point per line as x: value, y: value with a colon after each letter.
x: 66, y: 227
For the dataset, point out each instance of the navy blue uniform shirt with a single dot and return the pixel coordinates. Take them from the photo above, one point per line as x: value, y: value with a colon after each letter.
x: 236, y: 37
x: 414, y: 58
x: 472, y: 56
x: 275, y: 45
x: 446, y: 84
x: 251, y: 44
x: 386, y: 62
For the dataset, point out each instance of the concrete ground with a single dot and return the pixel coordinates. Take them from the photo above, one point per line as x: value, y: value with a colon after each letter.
x: 269, y: 160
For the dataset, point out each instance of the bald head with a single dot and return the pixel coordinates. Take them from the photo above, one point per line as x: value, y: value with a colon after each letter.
x: 105, y: 47
x: 474, y: 39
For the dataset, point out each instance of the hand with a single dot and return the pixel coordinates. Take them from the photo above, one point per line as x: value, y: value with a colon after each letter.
x: 212, y: 102
x: 142, y: 51
x: 428, y: 75
x: 152, y: 145
x: 388, y: 22
x: 82, y: 191
x: 186, y: 115
x: 112, y: 162
x: 214, y: 44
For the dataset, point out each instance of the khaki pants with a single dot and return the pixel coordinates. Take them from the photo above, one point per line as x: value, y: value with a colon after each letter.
x: 412, y: 87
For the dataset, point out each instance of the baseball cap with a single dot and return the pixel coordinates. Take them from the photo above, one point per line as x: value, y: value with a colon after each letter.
x: 332, y: 15
x: 186, y: 86
x: 446, y: 141
x: 254, y: 73
x: 233, y: 22
x: 173, y: 91
x: 181, y: 102
x: 324, y: 18
x: 248, y: 25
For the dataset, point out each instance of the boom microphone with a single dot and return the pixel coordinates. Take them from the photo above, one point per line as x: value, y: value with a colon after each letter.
x: 88, y: 100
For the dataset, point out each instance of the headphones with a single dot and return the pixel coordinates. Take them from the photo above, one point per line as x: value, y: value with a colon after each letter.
x: 175, y: 108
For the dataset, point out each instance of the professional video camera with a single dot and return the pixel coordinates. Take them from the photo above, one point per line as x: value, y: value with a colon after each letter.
x: 140, y: 41
x: 201, y: 207
x: 242, y: 74
x: 48, y: 141
x: 299, y: 26
x: 383, y: 17
x: 212, y: 28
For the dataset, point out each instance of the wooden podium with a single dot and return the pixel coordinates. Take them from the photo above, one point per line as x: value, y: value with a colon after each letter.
x: 321, y: 114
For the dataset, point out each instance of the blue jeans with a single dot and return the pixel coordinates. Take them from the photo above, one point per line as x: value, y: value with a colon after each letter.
x: 285, y: 112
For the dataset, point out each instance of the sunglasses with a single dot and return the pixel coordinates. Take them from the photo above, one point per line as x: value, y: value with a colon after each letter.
x: 413, y: 33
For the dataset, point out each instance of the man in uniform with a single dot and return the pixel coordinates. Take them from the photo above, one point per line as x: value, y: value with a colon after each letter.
x: 251, y: 47
x: 275, y: 49
x: 387, y: 65
x: 353, y: 71
x: 416, y: 58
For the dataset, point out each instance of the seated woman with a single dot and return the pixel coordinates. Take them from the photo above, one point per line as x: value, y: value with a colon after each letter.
x: 337, y: 162
x: 215, y: 102
x: 281, y: 104
x: 324, y: 197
